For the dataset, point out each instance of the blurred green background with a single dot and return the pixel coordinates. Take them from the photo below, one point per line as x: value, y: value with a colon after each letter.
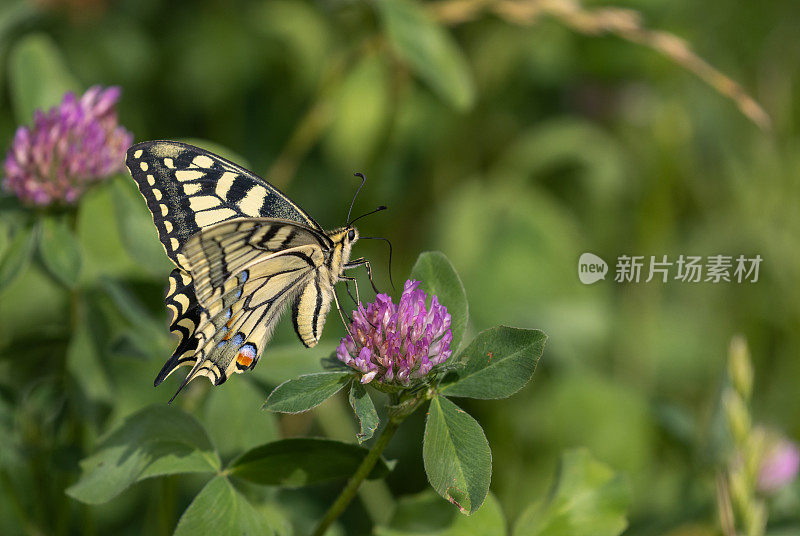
x: 512, y: 143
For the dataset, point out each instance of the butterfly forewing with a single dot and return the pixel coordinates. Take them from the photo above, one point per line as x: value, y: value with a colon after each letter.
x: 187, y: 189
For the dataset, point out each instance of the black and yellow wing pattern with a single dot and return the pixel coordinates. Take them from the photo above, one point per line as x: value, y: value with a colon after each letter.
x: 187, y: 189
x: 242, y: 251
x: 245, y: 272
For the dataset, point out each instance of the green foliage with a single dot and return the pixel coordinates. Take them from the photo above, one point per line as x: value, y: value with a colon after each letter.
x: 438, y: 277
x: 233, y: 420
x: 38, y: 75
x: 135, y: 227
x: 287, y: 362
x: 458, y: 461
x: 586, y: 498
x: 300, y: 462
x: 60, y: 251
x: 361, y: 110
x: 140, y: 332
x: 84, y: 360
x: 364, y: 409
x: 513, y: 140
x: 497, y: 364
x: 305, y: 392
x: 429, y: 51
x: 158, y: 440
x: 220, y: 509
x: 425, y: 513
x: 17, y: 254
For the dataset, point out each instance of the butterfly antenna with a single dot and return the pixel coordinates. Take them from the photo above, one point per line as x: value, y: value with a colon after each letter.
x: 353, y: 202
x: 382, y: 207
x: 390, y: 252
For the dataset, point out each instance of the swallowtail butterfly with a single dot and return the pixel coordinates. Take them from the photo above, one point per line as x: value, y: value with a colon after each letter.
x: 243, y: 251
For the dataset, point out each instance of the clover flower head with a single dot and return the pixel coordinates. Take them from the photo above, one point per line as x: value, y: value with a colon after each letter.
x: 69, y: 147
x: 780, y: 465
x: 397, y: 343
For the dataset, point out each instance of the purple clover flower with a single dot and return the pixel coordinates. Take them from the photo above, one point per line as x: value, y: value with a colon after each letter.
x: 779, y: 466
x: 395, y: 344
x: 69, y: 148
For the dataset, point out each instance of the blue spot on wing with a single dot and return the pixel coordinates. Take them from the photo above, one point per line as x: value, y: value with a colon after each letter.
x: 248, y: 350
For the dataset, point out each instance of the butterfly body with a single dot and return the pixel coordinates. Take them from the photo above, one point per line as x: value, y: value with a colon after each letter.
x: 243, y: 253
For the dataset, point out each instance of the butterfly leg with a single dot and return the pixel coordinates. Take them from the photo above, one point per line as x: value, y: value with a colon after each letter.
x: 347, y: 280
x: 342, y: 315
x: 361, y: 261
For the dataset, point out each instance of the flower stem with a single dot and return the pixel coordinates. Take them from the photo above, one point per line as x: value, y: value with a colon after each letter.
x: 358, y: 477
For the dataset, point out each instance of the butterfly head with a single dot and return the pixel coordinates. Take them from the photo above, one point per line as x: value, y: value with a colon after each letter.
x: 343, y: 239
x: 344, y: 236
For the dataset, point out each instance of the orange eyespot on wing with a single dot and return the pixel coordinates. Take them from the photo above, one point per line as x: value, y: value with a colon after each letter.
x: 247, y: 354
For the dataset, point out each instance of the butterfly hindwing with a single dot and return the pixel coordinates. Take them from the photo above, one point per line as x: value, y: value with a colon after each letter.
x: 310, y: 308
x: 245, y: 272
x: 222, y: 251
x: 187, y: 189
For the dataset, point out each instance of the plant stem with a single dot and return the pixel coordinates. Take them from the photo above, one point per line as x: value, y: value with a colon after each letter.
x: 358, y: 477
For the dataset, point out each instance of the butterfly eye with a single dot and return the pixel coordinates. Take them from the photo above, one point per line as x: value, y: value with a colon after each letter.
x: 351, y: 235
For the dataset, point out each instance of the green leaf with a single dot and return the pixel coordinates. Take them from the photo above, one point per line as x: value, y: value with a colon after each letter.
x: 220, y: 509
x: 158, y: 440
x: 425, y: 513
x: 302, y: 461
x: 438, y: 277
x: 277, y: 518
x: 233, y: 421
x: 84, y: 361
x: 305, y: 392
x: 136, y: 230
x: 457, y: 458
x: 60, y: 251
x: 497, y: 363
x: 364, y: 409
x: 38, y: 76
x: 429, y: 50
x: 17, y: 255
x: 586, y: 499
